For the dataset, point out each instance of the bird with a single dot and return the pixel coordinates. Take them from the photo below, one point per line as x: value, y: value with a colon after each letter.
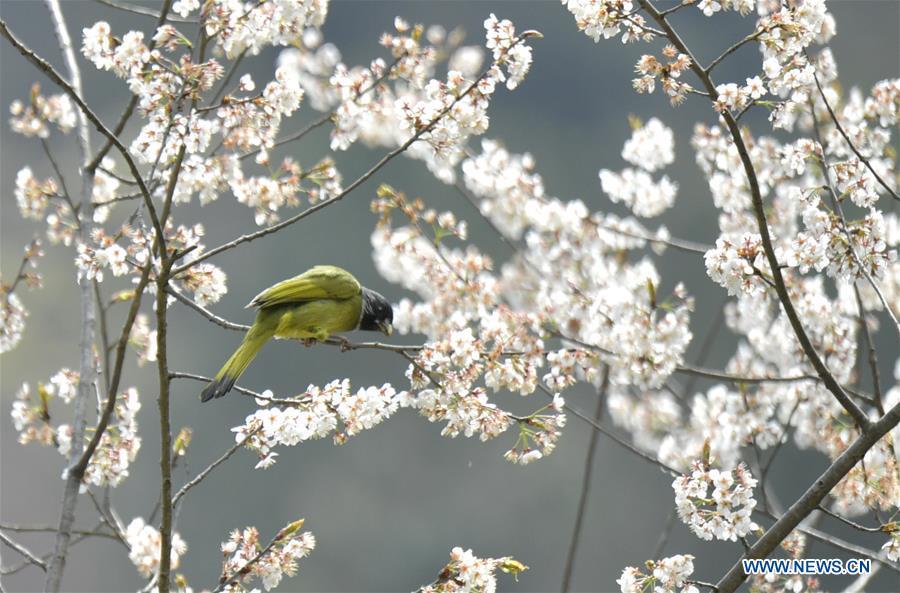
x: 313, y: 306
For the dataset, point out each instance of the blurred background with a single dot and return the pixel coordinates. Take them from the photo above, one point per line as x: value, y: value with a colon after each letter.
x: 387, y: 507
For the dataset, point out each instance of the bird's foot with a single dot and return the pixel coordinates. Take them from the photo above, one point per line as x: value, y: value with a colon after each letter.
x: 345, y: 344
x: 308, y: 341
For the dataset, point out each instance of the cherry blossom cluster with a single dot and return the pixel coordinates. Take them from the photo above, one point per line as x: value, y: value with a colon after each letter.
x: 35, y: 196
x: 723, y: 420
x: 716, y: 503
x: 608, y: 18
x: 710, y: 7
x: 205, y: 281
x: 786, y: 31
x: 727, y: 419
x: 314, y: 414
x: 473, y: 337
x: 247, y: 122
x: 668, y: 71
x: 650, y: 147
x: 12, y: 319
x: 245, y: 557
x: 443, y: 111
x: 846, y: 250
x: 504, y: 183
x: 144, y: 543
x: 239, y: 26
x: 740, y: 267
x: 573, y: 277
x: 874, y: 483
x: 143, y: 340
x: 32, y: 194
x: 891, y: 548
x: 649, y: 416
x: 31, y: 119
x: 508, y: 51
x: 105, y: 254
x: 12, y: 311
x: 117, y: 448
x: 467, y: 573
x: 668, y: 575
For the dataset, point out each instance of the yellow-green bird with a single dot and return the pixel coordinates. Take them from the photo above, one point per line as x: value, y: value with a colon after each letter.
x: 318, y: 303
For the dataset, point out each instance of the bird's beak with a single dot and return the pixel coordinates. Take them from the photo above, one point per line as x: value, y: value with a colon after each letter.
x: 386, y: 328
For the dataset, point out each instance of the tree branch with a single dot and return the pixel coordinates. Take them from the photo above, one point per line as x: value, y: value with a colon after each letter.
x: 811, y: 499
x: 165, y: 458
x: 759, y: 210
x: 87, y: 377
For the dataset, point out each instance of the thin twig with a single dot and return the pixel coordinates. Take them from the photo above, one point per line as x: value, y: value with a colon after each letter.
x: 783, y: 438
x: 237, y: 388
x: 673, y: 242
x: 104, y: 333
x: 52, y: 529
x: 665, y: 533
x: 846, y: 521
x: 165, y: 463
x: 723, y: 376
x: 162, y: 365
x: 222, y: 459
x: 321, y: 121
x: 586, y: 478
x: 615, y: 438
x: 108, y: 517
x: 220, y: 321
x: 751, y: 37
x: 110, y: 406
x: 28, y: 554
x: 840, y: 544
x: 62, y: 182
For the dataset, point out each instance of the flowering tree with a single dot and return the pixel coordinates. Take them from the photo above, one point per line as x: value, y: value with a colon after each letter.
x: 806, y: 253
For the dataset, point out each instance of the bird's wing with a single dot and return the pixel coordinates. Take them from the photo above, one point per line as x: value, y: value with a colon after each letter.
x: 320, y: 282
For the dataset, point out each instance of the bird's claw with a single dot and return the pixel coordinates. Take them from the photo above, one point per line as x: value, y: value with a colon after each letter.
x: 345, y: 344
x: 308, y: 341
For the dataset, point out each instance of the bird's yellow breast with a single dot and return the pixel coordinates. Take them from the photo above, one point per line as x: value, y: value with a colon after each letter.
x: 317, y: 319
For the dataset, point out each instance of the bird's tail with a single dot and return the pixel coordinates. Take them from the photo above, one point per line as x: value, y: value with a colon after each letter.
x: 237, y: 364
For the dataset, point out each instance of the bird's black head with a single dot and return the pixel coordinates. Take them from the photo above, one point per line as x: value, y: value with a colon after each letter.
x: 377, y: 314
